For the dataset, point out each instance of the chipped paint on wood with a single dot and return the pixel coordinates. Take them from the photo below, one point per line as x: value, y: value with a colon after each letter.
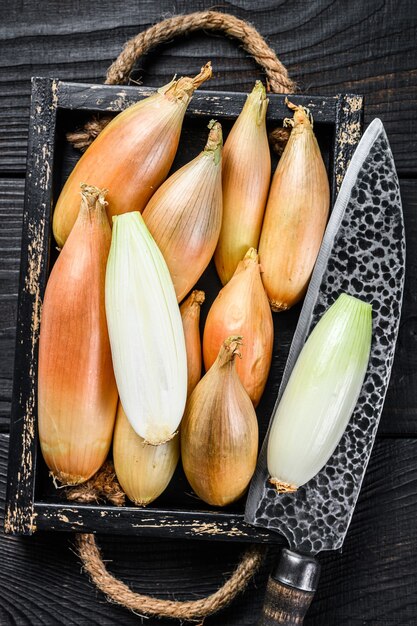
x: 20, y: 515
x: 18, y: 518
x: 348, y: 134
x: 118, y: 104
x: 203, y: 103
x: 210, y: 528
x: 54, y: 91
x: 135, y: 520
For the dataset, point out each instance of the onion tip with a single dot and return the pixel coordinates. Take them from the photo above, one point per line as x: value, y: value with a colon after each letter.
x: 197, y: 297
x: 282, y: 487
x: 302, y: 115
x: 91, y: 195
x: 156, y: 441
x: 232, y: 345
x: 184, y: 87
x: 214, y: 141
x: 278, y: 307
x: 206, y: 73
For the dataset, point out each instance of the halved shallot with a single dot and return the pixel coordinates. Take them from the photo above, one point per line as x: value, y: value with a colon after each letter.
x: 146, y: 332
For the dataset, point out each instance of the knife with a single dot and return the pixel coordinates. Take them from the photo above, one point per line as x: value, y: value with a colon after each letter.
x: 363, y: 254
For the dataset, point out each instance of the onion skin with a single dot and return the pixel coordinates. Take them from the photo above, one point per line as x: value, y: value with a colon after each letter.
x: 184, y: 216
x: 132, y: 155
x: 219, y: 432
x: 295, y: 216
x: 143, y: 471
x: 242, y: 308
x: 246, y: 173
x: 190, y: 314
x: 77, y: 395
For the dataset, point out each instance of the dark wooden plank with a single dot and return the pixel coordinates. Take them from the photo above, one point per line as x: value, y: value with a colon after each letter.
x: 400, y: 412
x: 189, y: 524
x: 371, y: 582
x: 11, y: 209
x: 329, y: 47
x: 37, y: 213
x: 224, y: 104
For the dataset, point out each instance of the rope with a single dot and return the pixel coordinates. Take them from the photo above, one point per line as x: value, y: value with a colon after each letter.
x: 119, y: 72
x: 104, y: 485
x: 119, y: 592
x: 172, y: 27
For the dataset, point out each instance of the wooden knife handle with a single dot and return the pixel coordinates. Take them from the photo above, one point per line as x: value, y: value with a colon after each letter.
x: 290, y: 590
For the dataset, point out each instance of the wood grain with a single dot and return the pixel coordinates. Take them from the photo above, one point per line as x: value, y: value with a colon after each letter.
x: 284, y: 605
x: 376, y: 569
x: 11, y: 207
x: 328, y: 47
x: 400, y: 411
x: 372, y: 582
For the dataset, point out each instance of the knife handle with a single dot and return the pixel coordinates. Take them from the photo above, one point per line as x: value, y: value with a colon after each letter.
x: 290, y: 590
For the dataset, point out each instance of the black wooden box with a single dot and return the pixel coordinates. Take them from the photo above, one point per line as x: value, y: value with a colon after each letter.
x: 32, y: 501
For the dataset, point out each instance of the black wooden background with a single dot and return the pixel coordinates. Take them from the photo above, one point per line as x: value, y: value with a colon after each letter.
x: 329, y: 46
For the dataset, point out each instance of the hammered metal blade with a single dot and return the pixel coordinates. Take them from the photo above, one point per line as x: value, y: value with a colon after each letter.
x: 363, y: 254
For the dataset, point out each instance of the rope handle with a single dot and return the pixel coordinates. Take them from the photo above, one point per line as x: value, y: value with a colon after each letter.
x: 230, y: 25
x: 118, y: 592
x: 104, y: 485
x: 120, y: 70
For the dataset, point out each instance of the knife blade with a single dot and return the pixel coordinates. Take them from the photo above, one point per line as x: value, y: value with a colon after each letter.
x: 363, y: 254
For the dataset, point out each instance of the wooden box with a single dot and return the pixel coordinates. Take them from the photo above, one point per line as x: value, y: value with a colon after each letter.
x: 57, y: 107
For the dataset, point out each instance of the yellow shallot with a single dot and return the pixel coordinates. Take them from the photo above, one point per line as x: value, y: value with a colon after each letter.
x: 219, y: 432
x: 295, y: 216
x: 190, y: 314
x: 132, y: 155
x: 246, y: 176
x: 242, y: 308
x: 142, y: 470
x: 77, y: 395
x: 184, y: 216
